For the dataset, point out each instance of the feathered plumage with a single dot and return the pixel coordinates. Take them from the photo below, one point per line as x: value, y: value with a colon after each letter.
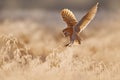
x: 82, y: 24
x: 68, y: 17
x: 74, y: 27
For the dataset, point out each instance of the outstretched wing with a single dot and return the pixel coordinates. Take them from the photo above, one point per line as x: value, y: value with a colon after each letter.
x: 81, y: 25
x: 68, y: 17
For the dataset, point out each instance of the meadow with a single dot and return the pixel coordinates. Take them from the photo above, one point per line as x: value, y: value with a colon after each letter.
x: 32, y: 48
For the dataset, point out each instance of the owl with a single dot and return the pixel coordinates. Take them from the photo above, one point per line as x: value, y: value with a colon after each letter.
x: 74, y: 27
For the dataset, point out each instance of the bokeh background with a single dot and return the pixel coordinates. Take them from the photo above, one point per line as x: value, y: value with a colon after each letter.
x: 56, y: 5
x: 32, y: 42
x: 38, y: 9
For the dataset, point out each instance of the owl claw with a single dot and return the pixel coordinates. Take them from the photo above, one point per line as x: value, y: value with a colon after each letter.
x: 68, y: 45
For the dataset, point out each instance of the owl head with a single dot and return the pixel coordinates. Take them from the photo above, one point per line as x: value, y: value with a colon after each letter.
x: 68, y: 32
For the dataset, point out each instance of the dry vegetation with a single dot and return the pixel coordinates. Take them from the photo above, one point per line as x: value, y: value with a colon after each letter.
x: 30, y: 52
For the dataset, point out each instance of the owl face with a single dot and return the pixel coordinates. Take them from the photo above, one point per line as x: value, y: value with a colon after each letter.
x: 68, y: 32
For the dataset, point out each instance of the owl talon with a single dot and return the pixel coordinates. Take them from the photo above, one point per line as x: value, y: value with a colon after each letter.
x: 67, y: 45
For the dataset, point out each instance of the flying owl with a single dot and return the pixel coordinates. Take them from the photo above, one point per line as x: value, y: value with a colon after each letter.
x: 73, y: 26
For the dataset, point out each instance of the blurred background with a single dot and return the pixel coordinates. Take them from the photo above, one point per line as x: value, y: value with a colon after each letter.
x: 57, y: 4
x: 45, y: 10
x: 78, y: 5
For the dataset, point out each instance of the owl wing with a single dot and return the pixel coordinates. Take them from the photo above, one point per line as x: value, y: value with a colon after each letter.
x: 82, y: 24
x: 68, y: 17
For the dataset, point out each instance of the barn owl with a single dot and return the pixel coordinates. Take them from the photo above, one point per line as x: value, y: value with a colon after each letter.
x: 73, y: 26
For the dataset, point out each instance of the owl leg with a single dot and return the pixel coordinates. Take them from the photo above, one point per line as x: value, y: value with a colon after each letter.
x: 79, y: 40
x: 71, y: 41
x: 70, y: 44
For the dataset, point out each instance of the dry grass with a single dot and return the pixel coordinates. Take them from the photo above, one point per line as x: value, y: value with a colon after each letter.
x: 31, y: 52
